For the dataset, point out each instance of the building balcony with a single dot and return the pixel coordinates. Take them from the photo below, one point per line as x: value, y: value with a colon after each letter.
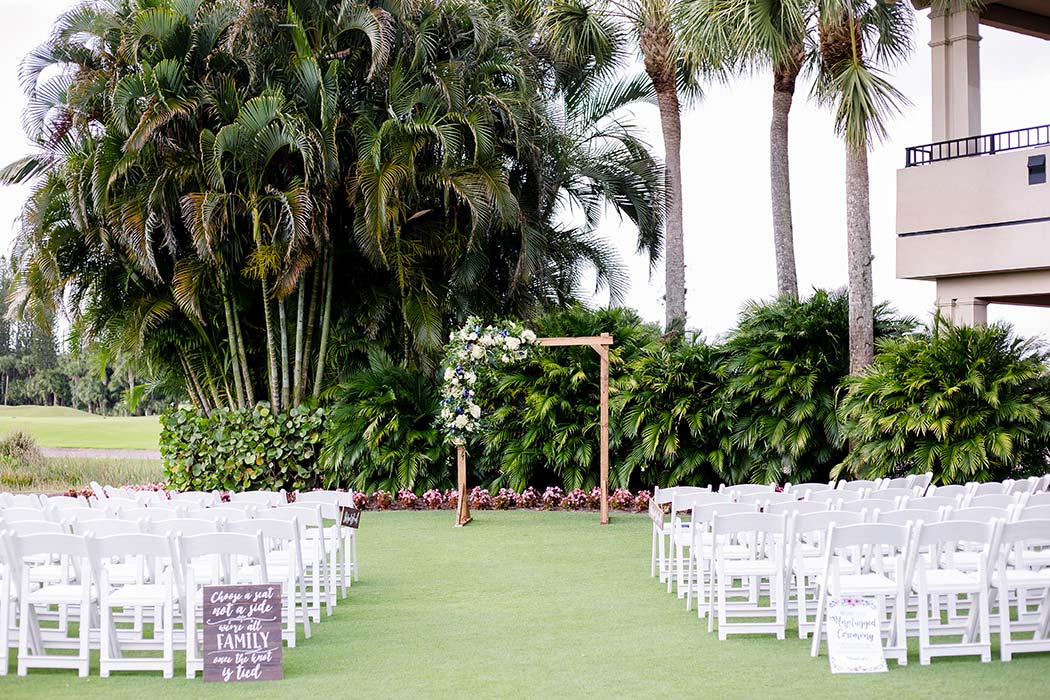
x: 975, y: 206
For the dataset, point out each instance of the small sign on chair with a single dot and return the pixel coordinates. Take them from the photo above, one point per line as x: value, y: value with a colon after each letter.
x: 242, y: 633
x: 349, y: 517
x: 854, y: 637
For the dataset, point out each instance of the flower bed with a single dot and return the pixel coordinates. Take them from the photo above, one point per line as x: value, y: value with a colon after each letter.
x: 551, y: 498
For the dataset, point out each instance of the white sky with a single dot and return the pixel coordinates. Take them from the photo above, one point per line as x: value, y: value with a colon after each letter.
x: 729, y: 249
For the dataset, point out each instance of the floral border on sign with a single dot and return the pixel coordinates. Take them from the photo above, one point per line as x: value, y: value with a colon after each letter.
x: 471, y: 350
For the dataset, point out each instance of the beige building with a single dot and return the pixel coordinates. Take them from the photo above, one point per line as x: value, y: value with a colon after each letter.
x: 973, y: 209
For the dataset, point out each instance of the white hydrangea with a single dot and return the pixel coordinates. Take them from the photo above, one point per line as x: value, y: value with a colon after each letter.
x: 528, y: 336
x: 449, y: 373
x: 477, y: 352
x: 475, y: 410
x: 512, y: 343
x: 461, y: 421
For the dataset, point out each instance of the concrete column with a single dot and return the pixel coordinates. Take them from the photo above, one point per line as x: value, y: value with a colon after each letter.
x: 956, y: 75
x: 964, y: 312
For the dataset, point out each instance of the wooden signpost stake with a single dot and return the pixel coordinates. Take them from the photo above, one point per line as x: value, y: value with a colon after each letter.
x: 600, y: 344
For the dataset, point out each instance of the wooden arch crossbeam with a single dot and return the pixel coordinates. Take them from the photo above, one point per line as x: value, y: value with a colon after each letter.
x: 600, y: 344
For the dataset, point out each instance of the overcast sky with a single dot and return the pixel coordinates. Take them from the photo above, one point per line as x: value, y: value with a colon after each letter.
x: 728, y: 229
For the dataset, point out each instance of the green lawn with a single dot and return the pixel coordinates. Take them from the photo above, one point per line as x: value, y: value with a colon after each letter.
x: 58, y: 426
x: 544, y: 605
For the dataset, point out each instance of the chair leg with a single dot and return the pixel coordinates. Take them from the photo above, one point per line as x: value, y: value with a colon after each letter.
x: 105, y: 650
x: 924, y: 627
x: 814, y: 647
x: 1005, y: 652
x: 984, y: 613
x: 652, y: 558
x: 722, y: 616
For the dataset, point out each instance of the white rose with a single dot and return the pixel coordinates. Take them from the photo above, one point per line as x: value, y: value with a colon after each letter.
x: 513, y: 343
x: 461, y: 421
x: 504, y: 357
x: 449, y: 373
x: 455, y: 380
x: 470, y: 377
x: 477, y: 352
x: 472, y: 336
x: 486, y: 340
x: 528, y: 336
x: 475, y: 410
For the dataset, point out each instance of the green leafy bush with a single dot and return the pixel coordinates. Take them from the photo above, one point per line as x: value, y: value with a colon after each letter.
x: 241, y: 450
x: 382, y: 431
x: 669, y: 408
x: 784, y: 362
x: 965, y: 403
x: 544, y: 426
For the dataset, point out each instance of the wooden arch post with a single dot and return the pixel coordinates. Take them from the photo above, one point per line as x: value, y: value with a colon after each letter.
x: 600, y: 344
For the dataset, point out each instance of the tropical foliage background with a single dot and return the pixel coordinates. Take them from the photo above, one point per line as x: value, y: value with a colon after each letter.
x: 276, y: 210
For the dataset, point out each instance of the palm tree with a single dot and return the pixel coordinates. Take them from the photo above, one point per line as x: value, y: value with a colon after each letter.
x: 595, y: 27
x: 858, y: 38
x: 750, y: 34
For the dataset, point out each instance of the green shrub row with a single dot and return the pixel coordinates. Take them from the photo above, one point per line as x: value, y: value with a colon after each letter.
x: 241, y: 450
x: 770, y: 403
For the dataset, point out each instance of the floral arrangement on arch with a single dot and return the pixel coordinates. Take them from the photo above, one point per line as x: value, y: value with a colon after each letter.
x: 470, y: 351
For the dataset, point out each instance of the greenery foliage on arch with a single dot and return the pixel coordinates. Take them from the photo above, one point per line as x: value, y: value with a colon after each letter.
x: 471, y: 351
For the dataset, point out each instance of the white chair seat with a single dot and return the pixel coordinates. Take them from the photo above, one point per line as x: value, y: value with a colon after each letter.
x: 58, y: 593
x: 951, y: 580
x: 138, y: 594
x: 1036, y: 559
x: 749, y: 567
x: 866, y: 584
x: 1024, y: 578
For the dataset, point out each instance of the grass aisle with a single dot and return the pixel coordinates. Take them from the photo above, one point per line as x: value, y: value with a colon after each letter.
x: 544, y: 605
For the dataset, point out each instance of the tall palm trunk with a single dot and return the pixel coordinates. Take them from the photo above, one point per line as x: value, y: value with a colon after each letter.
x: 325, y: 324
x: 286, y: 385
x: 858, y: 231
x: 784, y: 77
x: 300, y: 325
x: 231, y: 333
x: 657, y: 44
x: 311, y: 318
x: 271, y: 342
x: 249, y: 391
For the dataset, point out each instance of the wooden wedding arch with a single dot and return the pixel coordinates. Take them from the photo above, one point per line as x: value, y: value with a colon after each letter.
x: 600, y: 344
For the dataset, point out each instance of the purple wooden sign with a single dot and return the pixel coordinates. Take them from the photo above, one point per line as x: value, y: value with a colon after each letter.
x: 242, y: 633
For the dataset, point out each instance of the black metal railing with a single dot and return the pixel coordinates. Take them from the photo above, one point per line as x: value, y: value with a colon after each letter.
x: 985, y: 144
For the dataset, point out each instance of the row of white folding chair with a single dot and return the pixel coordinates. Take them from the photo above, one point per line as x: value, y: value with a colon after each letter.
x: 77, y: 590
x: 346, y: 560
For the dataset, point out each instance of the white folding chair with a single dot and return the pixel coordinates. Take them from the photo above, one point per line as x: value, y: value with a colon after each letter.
x: 799, y: 507
x: 19, y: 514
x: 990, y: 488
x: 60, y: 502
x: 152, y: 590
x: 834, y: 497
x: 681, y: 533
x: 761, y: 563
x: 935, y: 575
x: 8, y: 600
x: 904, y: 483
x: 908, y: 515
x: 700, y: 565
x: 21, y: 500
x: 195, y: 499
x: 229, y: 552
x: 1012, y: 540
x: 763, y: 499
x: 223, y: 512
x: 933, y: 503
x: 662, y: 517
x: 992, y: 500
x: 806, y: 544
x: 33, y: 644
x: 347, y: 536
x: 804, y: 488
x: 284, y: 564
x: 867, y: 546
x: 870, y: 507
x: 922, y: 483
x: 315, y: 553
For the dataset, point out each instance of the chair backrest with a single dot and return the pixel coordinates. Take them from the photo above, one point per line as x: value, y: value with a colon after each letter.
x: 20, y: 514
x: 231, y: 546
x: 1030, y: 512
x: 1039, y: 499
x: 908, y: 515
x: 61, y: 502
x: 944, y: 538
x: 856, y: 485
x: 899, y: 495
x: 765, y: 497
x: 834, y: 495
x: 202, y: 499
x: 789, y: 507
x: 869, y: 506
x: 992, y: 500
x: 33, y: 527
x: 980, y: 514
x: 948, y: 490
x: 82, y: 514
x: 1023, y: 486
x: 104, y: 528
x: 135, y: 544
x: 934, y: 503
x: 1018, y: 533
x: 922, y: 482
x: 183, y: 526
x: 987, y: 488
x: 168, y: 506
x: 752, y: 523
x: 20, y: 500
x: 872, y: 542
x: 64, y: 544
x: 803, y: 488
x: 309, y: 515
x: 222, y: 513
x: 687, y: 501
x: 901, y: 482
x: 113, y: 503
x: 140, y: 513
x: 99, y: 490
x: 259, y: 498
x: 664, y: 495
x: 270, y: 528
x: 702, y: 514
x: 813, y: 528
x: 738, y: 490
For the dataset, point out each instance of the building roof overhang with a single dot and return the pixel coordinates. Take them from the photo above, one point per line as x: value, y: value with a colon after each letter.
x: 1031, y: 17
